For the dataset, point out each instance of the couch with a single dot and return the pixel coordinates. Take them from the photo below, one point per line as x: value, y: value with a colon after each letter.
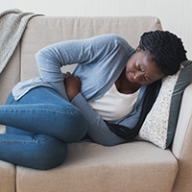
x: 138, y: 166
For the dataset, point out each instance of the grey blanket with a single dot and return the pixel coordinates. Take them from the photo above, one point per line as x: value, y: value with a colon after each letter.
x: 12, y: 25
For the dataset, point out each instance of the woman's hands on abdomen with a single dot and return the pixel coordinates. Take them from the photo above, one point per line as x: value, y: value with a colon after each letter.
x: 72, y: 85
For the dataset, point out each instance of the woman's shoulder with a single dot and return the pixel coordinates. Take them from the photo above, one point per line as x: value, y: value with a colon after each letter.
x: 114, y: 40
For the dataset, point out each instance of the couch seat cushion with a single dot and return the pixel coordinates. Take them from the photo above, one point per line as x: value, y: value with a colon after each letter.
x: 7, y: 175
x: 92, y: 167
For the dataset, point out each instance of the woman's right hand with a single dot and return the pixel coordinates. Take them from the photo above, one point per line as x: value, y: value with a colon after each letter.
x: 72, y: 85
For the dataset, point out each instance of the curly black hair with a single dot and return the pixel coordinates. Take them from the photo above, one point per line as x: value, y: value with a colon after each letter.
x: 166, y: 50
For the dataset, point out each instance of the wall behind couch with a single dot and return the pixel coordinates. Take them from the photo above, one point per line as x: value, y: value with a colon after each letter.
x: 175, y: 15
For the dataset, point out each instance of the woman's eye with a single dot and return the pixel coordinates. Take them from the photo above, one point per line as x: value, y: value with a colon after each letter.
x: 139, y: 67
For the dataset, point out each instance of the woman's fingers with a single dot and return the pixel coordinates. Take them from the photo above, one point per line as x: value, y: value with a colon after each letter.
x: 67, y: 74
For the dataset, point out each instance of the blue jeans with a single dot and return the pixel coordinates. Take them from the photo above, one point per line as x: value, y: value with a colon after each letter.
x: 38, y: 128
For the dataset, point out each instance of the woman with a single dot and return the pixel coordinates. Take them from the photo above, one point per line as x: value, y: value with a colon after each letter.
x: 106, y: 98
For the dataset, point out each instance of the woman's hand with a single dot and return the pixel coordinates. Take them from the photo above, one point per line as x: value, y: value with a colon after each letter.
x: 72, y: 85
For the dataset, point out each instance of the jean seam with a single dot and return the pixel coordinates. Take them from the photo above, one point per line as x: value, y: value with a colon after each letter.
x: 69, y: 112
x: 26, y: 141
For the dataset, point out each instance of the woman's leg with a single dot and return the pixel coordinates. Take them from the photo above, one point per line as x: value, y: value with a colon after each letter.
x: 26, y: 148
x: 43, y: 111
x: 37, y: 152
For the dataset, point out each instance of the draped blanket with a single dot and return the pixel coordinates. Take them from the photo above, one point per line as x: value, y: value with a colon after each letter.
x: 12, y: 25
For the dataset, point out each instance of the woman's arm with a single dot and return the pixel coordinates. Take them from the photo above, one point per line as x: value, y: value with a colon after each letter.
x: 98, y: 129
x: 51, y: 58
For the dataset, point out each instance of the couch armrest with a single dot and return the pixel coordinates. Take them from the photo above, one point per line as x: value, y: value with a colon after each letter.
x: 182, y: 144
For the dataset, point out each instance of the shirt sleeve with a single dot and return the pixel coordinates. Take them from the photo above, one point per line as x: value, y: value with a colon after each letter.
x: 51, y: 58
x: 98, y: 129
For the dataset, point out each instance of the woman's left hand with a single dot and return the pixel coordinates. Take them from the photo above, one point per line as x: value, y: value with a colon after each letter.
x: 72, y: 85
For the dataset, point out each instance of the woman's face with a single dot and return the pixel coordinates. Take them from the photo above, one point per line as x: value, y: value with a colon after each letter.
x: 141, y: 70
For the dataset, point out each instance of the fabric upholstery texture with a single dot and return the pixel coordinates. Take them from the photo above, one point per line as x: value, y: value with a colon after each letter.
x: 182, y: 143
x: 8, y: 177
x: 137, y: 166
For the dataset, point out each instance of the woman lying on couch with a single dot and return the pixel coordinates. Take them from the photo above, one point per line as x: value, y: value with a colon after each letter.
x: 107, y: 97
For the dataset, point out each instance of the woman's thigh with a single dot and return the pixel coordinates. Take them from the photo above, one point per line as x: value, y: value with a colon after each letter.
x: 34, y: 96
x: 39, y: 95
x: 54, y: 115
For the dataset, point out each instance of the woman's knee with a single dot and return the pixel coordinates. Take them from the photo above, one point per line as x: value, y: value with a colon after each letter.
x: 48, y: 153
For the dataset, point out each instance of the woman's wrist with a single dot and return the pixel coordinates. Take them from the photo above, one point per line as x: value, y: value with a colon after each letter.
x: 71, y: 96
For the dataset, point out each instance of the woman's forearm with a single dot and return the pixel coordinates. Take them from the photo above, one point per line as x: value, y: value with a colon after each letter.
x: 98, y: 130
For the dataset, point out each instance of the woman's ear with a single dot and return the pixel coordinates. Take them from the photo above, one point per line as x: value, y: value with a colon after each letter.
x: 138, y: 48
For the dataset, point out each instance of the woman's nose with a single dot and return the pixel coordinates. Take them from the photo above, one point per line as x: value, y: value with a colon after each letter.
x: 138, y: 76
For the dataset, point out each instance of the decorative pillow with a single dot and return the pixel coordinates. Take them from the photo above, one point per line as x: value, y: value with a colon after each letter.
x: 160, y: 123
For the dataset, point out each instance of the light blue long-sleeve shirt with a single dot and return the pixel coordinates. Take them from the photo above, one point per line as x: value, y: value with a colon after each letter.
x: 100, y: 61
